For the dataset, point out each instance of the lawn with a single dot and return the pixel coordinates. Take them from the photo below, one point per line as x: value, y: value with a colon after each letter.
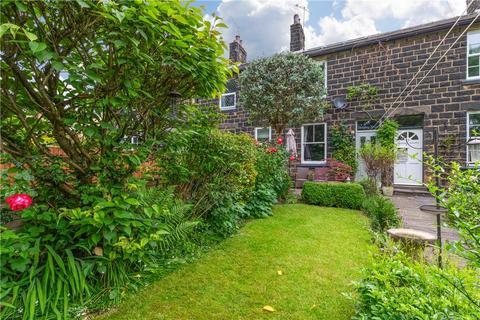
x: 319, y: 252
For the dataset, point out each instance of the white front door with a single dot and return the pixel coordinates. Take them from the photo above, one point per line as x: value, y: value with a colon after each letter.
x: 363, y: 137
x: 408, y: 166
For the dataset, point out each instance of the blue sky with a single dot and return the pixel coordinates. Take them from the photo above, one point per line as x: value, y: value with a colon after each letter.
x: 264, y: 24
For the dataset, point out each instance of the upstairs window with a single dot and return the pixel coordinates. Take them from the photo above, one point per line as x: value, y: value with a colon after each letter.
x: 473, y: 55
x: 263, y: 134
x: 473, y: 132
x: 228, y: 100
x: 314, y: 143
x: 323, y: 65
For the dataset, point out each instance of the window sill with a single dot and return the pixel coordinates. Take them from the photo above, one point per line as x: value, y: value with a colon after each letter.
x: 312, y: 165
x: 228, y: 109
x: 471, y: 81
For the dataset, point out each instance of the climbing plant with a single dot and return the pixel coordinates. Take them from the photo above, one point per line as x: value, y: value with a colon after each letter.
x: 386, y: 136
x: 343, y: 144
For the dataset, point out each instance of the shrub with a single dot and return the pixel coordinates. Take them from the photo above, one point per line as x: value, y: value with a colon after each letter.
x: 332, y: 194
x: 343, y: 144
x: 338, y: 171
x: 60, y: 257
x: 398, y: 288
x: 382, y: 213
x: 213, y: 170
x: 461, y: 197
x: 368, y: 186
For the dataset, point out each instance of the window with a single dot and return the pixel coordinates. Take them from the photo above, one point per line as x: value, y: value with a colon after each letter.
x: 473, y: 55
x: 263, y: 134
x: 473, y: 132
x: 324, y: 69
x: 314, y: 143
x: 227, y: 101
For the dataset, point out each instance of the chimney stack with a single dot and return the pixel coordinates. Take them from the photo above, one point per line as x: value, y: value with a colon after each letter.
x: 237, y: 52
x: 297, y: 37
x: 473, y: 6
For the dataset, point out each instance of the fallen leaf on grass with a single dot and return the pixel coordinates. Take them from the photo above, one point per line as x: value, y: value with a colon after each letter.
x: 268, y: 308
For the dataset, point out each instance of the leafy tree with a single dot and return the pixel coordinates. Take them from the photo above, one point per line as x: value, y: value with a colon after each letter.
x: 85, y: 76
x: 283, y: 90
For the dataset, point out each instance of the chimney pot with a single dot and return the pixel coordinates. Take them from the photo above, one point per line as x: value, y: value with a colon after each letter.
x: 296, y: 18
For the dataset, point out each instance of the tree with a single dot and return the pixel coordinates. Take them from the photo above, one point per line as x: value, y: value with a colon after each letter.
x: 283, y: 90
x: 387, y: 134
x: 85, y: 76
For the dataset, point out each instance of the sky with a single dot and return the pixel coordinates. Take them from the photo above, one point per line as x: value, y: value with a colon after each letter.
x: 264, y: 25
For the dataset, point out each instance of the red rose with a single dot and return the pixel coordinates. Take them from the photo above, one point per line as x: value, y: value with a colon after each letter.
x: 292, y: 157
x: 19, y: 202
x: 280, y: 140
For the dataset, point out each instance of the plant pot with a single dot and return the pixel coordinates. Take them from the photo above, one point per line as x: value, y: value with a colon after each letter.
x: 387, y: 191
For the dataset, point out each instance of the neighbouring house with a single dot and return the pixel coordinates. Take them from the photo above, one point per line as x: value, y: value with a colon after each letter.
x: 446, y: 101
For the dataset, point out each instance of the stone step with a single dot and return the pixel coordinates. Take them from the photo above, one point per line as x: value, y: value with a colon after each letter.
x: 410, y: 190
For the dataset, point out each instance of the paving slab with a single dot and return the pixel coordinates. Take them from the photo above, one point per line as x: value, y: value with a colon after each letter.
x: 414, y: 218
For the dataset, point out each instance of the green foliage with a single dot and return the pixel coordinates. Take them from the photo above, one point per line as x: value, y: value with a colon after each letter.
x: 461, y: 196
x: 364, y: 92
x: 86, y: 76
x: 211, y: 169
x: 387, y: 133
x: 377, y: 159
x: 398, y: 288
x: 272, y: 181
x: 331, y: 194
x: 368, y: 186
x: 343, y: 144
x: 382, y: 213
x: 62, y: 257
x: 283, y: 90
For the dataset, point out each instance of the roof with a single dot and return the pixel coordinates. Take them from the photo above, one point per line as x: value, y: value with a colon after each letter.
x: 390, y: 36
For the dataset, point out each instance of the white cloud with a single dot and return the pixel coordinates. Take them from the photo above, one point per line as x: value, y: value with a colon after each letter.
x: 264, y: 25
x: 360, y: 18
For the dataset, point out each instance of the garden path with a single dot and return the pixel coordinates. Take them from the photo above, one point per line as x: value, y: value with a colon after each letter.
x: 414, y: 218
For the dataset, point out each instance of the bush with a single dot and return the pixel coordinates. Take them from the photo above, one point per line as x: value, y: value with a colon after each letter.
x: 272, y: 181
x: 382, y: 213
x: 369, y: 187
x: 62, y: 257
x: 398, y: 288
x: 331, y: 194
x: 214, y: 171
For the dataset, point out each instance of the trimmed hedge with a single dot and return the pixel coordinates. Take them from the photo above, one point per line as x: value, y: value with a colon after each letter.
x: 334, y: 194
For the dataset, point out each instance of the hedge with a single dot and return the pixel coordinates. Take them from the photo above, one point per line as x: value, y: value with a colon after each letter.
x: 334, y: 194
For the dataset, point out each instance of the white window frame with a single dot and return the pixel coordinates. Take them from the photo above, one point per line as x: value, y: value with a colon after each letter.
x: 269, y: 133
x: 234, y: 101
x: 471, y: 55
x: 302, y: 143
x: 468, y: 136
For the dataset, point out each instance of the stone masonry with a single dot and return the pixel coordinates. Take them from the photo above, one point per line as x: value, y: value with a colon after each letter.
x: 443, y: 98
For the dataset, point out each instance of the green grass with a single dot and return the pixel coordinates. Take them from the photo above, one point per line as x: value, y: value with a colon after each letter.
x: 319, y: 250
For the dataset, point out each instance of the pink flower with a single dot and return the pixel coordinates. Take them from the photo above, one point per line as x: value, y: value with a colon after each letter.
x: 280, y: 140
x: 292, y: 157
x: 18, y: 202
x: 272, y: 150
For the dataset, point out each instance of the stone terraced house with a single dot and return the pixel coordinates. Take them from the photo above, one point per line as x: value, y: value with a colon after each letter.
x: 447, y: 101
